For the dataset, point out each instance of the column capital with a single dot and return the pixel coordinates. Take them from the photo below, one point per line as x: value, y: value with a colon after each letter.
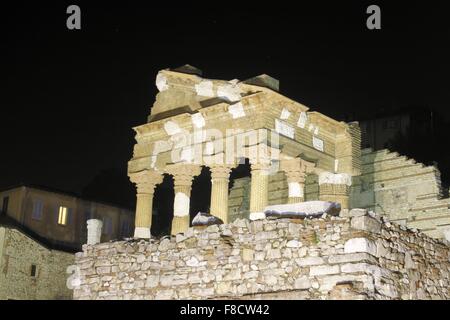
x: 183, y: 174
x: 146, y: 180
x: 221, y: 171
x: 260, y: 166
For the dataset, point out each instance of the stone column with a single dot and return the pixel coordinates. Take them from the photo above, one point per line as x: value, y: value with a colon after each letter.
x: 219, y: 191
x: 259, y: 190
x: 146, y: 182
x: 335, y: 188
x: 183, y: 174
x: 295, y: 171
x: 94, y: 231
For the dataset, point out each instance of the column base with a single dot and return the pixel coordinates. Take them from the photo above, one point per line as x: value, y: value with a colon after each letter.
x: 257, y: 216
x: 142, y: 233
x: 296, y: 199
x: 179, y: 224
x: 335, y: 193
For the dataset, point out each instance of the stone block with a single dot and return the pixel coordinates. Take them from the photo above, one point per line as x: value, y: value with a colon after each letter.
x: 224, y: 288
x: 357, y: 212
x: 234, y: 274
x: 294, y: 229
x: 165, y: 294
x: 366, y: 223
x: 355, y: 267
x: 293, y: 244
x: 323, y: 270
x: 273, y: 254
x: 360, y: 245
x: 152, y: 281
x: 203, y: 292
x: 351, y: 257
x: 192, y: 262
x: 247, y: 254
x: 409, y: 262
x: 103, y: 270
x: 309, y: 261
x: 251, y: 274
x: 302, y: 283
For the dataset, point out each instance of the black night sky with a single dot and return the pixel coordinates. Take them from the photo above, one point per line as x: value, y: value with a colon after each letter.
x: 72, y: 97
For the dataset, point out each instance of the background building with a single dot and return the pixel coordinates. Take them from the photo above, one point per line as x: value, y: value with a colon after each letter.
x: 385, y: 128
x: 60, y: 218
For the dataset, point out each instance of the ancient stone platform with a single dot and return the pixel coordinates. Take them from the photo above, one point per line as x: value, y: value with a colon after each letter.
x: 357, y: 255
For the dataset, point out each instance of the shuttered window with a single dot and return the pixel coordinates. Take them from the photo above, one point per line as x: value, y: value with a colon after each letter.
x: 37, y: 210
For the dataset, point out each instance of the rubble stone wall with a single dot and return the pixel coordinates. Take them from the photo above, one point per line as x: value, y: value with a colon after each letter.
x: 355, y: 256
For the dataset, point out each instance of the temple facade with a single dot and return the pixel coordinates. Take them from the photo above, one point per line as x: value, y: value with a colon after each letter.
x: 197, y: 122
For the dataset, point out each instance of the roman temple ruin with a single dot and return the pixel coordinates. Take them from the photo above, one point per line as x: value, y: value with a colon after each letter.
x: 295, y: 155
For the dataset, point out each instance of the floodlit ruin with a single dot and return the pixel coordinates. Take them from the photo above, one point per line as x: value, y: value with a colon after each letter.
x: 295, y: 154
x: 199, y: 122
x: 318, y: 218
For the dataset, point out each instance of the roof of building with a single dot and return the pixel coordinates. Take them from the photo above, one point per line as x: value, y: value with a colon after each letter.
x: 395, y: 112
x: 8, y: 222
x: 187, y: 68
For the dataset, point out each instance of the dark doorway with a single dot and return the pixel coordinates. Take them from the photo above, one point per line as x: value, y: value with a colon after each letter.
x: 200, y: 193
x: 163, y: 207
x: 241, y: 171
x: 5, y: 206
x: 240, y: 208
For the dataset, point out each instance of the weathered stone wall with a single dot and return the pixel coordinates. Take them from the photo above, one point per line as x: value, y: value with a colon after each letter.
x: 355, y: 256
x: 407, y: 192
x: 17, y: 253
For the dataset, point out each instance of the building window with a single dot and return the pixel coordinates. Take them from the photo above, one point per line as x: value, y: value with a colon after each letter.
x: 5, y: 205
x: 107, y: 225
x: 88, y: 215
x: 37, y: 210
x: 63, y: 216
x: 394, y: 123
x: 33, y: 272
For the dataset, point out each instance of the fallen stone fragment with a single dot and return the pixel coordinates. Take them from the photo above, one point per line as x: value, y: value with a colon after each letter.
x: 302, y: 210
x: 205, y: 219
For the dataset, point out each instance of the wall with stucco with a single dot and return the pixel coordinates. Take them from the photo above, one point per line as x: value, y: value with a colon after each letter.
x: 17, y: 253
